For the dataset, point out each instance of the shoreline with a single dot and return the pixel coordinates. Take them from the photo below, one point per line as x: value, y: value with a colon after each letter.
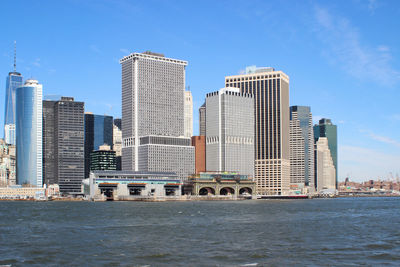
x: 191, y: 198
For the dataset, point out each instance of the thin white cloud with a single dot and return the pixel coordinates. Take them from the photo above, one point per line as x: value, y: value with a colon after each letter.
x: 94, y: 49
x: 384, y: 139
x: 124, y: 50
x: 383, y: 48
x: 396, y: 117
x: 345, y: 48
x: 36, y: 63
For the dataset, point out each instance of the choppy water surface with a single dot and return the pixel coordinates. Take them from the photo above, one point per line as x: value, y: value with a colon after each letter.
x: 327, y: 232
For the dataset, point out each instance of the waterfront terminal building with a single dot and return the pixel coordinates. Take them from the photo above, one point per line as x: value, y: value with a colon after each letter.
x: 131, y: 185
x: 214, y: 184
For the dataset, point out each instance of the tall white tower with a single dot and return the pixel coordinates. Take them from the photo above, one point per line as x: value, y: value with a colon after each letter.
x: 188, y: 114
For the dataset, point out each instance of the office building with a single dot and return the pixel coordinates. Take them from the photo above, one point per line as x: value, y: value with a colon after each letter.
x: 301, y: 146
x: 199, y: 143
x: 63, y: 143
x: 230, y: 131
x: 202, y: 119
x: 13, y: 81
x: 7, y: 164
x: 98, y: 131
x: 153, y: 115
x: 325, y: 128
x: 325, y: 169
x: 270, y: 89
x: 103, y: 159
x: 118, y: 123
x: 188, y: 114
x: 28, y: 128
x: 117, y: 142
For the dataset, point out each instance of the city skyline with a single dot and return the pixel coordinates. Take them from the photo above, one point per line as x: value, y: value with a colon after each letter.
x: 354, y: 87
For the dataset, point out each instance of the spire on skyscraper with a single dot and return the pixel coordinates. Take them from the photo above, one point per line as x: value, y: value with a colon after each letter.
x: 15, y: 56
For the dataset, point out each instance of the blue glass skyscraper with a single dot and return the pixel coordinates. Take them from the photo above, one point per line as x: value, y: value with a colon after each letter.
x: 28, y: 126
x: 98, y: 131
x: 13, y: 80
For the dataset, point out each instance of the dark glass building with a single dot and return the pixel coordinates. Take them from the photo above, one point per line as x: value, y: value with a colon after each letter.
x: 325, y: 128
x: 63, y: 143
x: 118, y: 123
x: 103, y: 160
x: 98, y: 131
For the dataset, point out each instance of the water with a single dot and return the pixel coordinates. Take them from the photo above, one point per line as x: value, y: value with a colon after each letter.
x: 318, y: 232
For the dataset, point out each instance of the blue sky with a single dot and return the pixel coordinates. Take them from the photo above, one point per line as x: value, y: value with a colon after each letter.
x: 343, y: 57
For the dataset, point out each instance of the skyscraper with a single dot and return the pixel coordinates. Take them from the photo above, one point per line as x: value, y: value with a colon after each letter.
x: 13, y: 81
x: 98, y: 131
x: 28, y: 126
x: 325, y: 169
x: 230, y: 131
x: 188, y: 114
x: 153, y: 115
x: 271, y: 110
x: 301, y: 146
x: 103, y: 159
x: 117, y: 142
x: 202, y: 119
x: 327, y: 129
x: 63, y: 143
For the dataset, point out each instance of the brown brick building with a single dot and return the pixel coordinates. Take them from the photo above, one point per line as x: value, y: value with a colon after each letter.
x: 199, y: 143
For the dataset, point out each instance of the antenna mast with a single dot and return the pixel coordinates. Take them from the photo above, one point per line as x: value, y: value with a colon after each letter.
x: 15, y: 56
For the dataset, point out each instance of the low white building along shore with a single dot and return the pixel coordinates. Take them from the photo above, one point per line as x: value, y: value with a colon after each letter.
x: 131, y: 185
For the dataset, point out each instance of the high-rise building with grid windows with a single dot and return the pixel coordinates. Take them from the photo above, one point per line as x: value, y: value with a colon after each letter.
x: 63, y: 143
x: 153, y: 114
x: 271, y: 114
x: 230, y: 131
x: 301, y: 146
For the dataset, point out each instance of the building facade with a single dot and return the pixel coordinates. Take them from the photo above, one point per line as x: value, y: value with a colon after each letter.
x: 270, y: 89
x: 103, y: 159
x: 63, y: 143
x: 153, y: 115
x: 188, y: 114
x: 131, y: 185
x: 13, y: 81
x: 98, y: 132
x: 28, y: 126
x: 202, y: 120
x: 325, y: 168
x: 199, y: 143
x: 325, y: 128
x: 7, y: 164
x: 117, y: 142
x: 230, y: 131
x: 301, y: 146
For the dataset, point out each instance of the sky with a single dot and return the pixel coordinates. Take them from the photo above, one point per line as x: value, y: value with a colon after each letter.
x: 342, y: 57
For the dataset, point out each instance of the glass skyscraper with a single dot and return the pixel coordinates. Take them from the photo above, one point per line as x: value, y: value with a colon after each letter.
x: 98, y: 131
x: 28, y: 126
x: 13, y: 80
x: 325, y: 128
